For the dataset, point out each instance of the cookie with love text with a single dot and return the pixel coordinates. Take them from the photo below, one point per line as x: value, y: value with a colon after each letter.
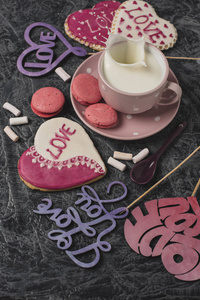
x: 91, y: 26
x: 137, y: 19
x: 63, y: 157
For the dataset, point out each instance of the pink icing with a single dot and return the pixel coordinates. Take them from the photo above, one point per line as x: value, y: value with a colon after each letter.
x: 141, y: 16
x: 59, y: 142
x: 153, y: 32
x: 128, y: 27
x: 54, y: 175
x: 130, y: 11
x: 92, y: 25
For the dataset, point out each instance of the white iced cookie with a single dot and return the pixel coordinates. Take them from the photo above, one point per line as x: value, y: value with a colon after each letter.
x: 136, y: 19
x: 63, y: 157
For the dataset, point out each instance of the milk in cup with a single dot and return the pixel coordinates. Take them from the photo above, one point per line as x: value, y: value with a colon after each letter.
x: 131, y: 66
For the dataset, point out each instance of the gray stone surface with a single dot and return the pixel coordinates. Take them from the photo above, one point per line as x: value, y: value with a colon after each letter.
x: 31, y: 265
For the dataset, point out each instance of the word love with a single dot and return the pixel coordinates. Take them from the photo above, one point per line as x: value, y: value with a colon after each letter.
x: 150, y: 27
x: 138, y: 19
x: 171, y: 229
x: 59, y: 142
x: 43, y: 51
x: 93, y: 207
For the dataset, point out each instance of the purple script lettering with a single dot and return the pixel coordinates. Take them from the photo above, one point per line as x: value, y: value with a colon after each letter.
x: 93, y: 206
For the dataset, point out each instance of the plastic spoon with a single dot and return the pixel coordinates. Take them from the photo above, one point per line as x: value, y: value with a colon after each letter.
x: 144, y: 171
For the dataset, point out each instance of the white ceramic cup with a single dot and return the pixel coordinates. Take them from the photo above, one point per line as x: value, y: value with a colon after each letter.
x: 130, y: 88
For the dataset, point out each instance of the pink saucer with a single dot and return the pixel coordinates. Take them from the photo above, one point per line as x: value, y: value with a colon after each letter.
x: 130, y: 127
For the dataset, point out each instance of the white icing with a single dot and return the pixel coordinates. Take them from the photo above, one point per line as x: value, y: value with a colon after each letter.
x: 143, y: 20
x: 68, y: 163
x: 50, y: 141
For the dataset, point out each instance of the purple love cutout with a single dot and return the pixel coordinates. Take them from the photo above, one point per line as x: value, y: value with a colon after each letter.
x: 44, y: 51
x: 71, y: 223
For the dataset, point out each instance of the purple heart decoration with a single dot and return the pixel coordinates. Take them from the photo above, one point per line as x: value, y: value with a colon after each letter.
x: 44, y: 51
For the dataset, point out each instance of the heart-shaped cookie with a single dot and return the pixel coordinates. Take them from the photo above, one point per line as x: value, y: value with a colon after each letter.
x: 63, y: 157
x: 91, y: 26
x: 137, y: 19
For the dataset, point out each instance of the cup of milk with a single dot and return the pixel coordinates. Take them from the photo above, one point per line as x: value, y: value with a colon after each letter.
x: 133, y: 76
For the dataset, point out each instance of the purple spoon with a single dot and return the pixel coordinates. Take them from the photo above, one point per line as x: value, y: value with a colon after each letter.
x: 144, y: 171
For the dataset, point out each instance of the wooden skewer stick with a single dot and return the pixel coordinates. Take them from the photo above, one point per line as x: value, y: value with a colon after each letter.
x: 196, y: 188
x: 156, y: 184
x: 170, y: 57
x: 189, y: 58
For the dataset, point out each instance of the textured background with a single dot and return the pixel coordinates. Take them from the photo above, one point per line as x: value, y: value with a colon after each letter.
x: 31, y: 266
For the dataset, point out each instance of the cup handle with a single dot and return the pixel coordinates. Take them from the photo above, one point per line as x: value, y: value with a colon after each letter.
x: 171, y: 100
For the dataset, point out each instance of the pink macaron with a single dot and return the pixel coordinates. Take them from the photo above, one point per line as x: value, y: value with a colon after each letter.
x: 47, y: 102
x: 85, y: 89
x: 101, y: 115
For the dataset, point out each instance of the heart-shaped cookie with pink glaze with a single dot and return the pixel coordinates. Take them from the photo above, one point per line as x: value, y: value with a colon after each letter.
x: 63, y: 157
x: 91, y: 26
x: 137, y: 19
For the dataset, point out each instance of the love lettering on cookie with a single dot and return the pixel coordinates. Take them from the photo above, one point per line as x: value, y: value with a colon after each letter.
x: 43, y: 51
x: 71, y: 224
x: 91, y: 26
x: 170, y: 229
x: 59, y: 142
x: 137, y: 19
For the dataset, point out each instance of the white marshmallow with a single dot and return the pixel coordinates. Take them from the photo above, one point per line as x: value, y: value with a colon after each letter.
x: 122, y: 155
x: 18, y: 121
x: 12, y: 109
x: 63, y: 75
x: 117, y: 164
x: 11, y: 134
x: 141, y: 155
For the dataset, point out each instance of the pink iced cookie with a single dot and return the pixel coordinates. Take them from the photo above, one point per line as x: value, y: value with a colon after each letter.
x: 47, y: 102
x: 85, y: 89
x: 63, y: 157
x: 101, y: 115
x: 136, y: 19
x: 90, y: 26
